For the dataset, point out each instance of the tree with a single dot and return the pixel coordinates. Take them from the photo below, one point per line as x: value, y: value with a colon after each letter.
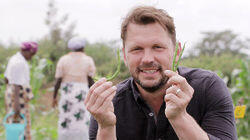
x: 216, y: 43
x: 55, y: 43
x: 56, y: 24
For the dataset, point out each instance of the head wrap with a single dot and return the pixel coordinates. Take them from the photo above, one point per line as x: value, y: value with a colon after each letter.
x: 29, y: 46
x: 76, y: 43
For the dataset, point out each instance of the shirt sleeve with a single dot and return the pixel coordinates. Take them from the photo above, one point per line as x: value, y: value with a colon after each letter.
x: 16, y: 73
x: 93, y: 127
x: 59, y: 69
x: 218, y: 120
x: 92, y: 68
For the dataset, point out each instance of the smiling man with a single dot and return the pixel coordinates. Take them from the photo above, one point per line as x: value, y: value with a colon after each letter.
x: 157, y: 103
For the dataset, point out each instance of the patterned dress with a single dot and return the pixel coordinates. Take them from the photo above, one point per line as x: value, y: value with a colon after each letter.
x: 73, y: 116
x: 25, y: 96
x: 73, y: 68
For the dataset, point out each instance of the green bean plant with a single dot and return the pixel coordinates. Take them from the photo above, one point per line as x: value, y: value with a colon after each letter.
x: 174, y: 63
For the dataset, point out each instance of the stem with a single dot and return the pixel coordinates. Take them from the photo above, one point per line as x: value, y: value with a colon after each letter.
x: 180, y: 56
x: 175, y: 66
x: 175, y: 53
x: 118, y: 67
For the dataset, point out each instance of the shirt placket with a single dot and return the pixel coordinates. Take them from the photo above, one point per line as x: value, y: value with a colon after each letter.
x: 150, y: 130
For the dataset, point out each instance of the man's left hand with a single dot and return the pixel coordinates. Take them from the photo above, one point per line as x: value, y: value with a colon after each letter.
x: 178, y: 95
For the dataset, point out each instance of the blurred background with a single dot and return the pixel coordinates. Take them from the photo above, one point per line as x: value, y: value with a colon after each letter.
x: 217, y: 35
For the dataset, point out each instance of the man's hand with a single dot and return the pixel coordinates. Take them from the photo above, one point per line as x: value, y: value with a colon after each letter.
x: 178, y: 95
x: 99, y: 103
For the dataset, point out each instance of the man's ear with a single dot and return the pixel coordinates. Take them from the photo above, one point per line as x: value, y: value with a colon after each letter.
x: 124, y: 56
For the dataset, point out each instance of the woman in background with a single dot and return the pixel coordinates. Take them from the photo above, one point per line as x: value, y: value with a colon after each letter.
x: 18, y: 92
x: 71, y: 75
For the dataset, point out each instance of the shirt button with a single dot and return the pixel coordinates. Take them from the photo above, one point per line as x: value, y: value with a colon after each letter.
x: 151, y: 114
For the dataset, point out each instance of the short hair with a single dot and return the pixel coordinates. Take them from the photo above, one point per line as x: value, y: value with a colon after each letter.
x: 146, y: 15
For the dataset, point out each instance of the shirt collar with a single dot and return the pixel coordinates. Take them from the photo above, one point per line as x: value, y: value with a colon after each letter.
x: 135, y: 91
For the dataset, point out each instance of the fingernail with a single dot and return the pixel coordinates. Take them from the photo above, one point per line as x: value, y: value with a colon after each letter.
x: 166, y: 71
x: 109, y: 83
x: 114, y: 88
x: 103, y: 78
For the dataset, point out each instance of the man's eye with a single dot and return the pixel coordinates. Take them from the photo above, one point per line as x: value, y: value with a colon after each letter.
x: 136, y: 49
x: 157, y: 47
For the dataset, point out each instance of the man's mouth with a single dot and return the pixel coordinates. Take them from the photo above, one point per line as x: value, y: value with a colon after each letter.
x: 149, y: 68
x: 149, y: 71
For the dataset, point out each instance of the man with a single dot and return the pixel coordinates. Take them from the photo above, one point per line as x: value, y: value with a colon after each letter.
x: 72, y: 72
x: 157, y: 103
x: 17, y: 78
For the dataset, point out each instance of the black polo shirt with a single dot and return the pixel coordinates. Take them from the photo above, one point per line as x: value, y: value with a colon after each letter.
x: 211, y: 107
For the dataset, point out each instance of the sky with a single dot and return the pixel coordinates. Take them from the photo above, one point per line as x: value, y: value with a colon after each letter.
x: 100, y: 20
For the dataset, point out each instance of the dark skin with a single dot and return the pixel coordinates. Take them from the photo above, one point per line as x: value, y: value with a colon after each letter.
x: 58, y: 84
x: 28, y: 56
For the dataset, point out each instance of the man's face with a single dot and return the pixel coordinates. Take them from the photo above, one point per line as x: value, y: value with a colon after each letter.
x: 148, y: 51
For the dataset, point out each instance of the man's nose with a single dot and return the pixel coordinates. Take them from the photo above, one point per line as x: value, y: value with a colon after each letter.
x: 148, y: 56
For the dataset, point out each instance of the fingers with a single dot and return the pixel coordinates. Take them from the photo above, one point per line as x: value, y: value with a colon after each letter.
x: 103, y: 98
x: 97, y: 92
x: 93, y: 87
x: 176, y: 79
x: 172, y: 98
x: 100, y: 96
x: 173, y: 89
x: 107, y: 103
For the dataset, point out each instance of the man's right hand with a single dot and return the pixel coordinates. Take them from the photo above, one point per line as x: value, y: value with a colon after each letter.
x: 99, y: 103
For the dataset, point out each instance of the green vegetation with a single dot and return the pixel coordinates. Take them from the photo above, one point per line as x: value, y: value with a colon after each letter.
x: 109, y: 78
x: 222, y: 52
x: 174, y: 63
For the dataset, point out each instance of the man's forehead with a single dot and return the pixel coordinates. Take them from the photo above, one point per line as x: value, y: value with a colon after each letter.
x: 153, y: 33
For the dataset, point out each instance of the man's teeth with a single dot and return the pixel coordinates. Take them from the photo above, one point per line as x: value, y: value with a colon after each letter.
x: 149, y: 71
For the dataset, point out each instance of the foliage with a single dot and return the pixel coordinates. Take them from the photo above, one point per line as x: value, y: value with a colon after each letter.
x: 225, y: 62
x: 104, y: 56
x: 37, y: 74
x: 216, y: 43
x: 56, y: 24
x: 44, y: 125
x: 240, y: 89
x: 2, y: 91
x: 6, y: 53
x: 111, y: 77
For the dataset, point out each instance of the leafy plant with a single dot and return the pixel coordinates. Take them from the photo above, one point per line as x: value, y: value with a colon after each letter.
x: 240, y: 89
x: 37, y: 75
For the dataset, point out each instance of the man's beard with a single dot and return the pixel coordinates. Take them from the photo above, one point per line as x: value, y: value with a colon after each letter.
x: 158, y: 85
